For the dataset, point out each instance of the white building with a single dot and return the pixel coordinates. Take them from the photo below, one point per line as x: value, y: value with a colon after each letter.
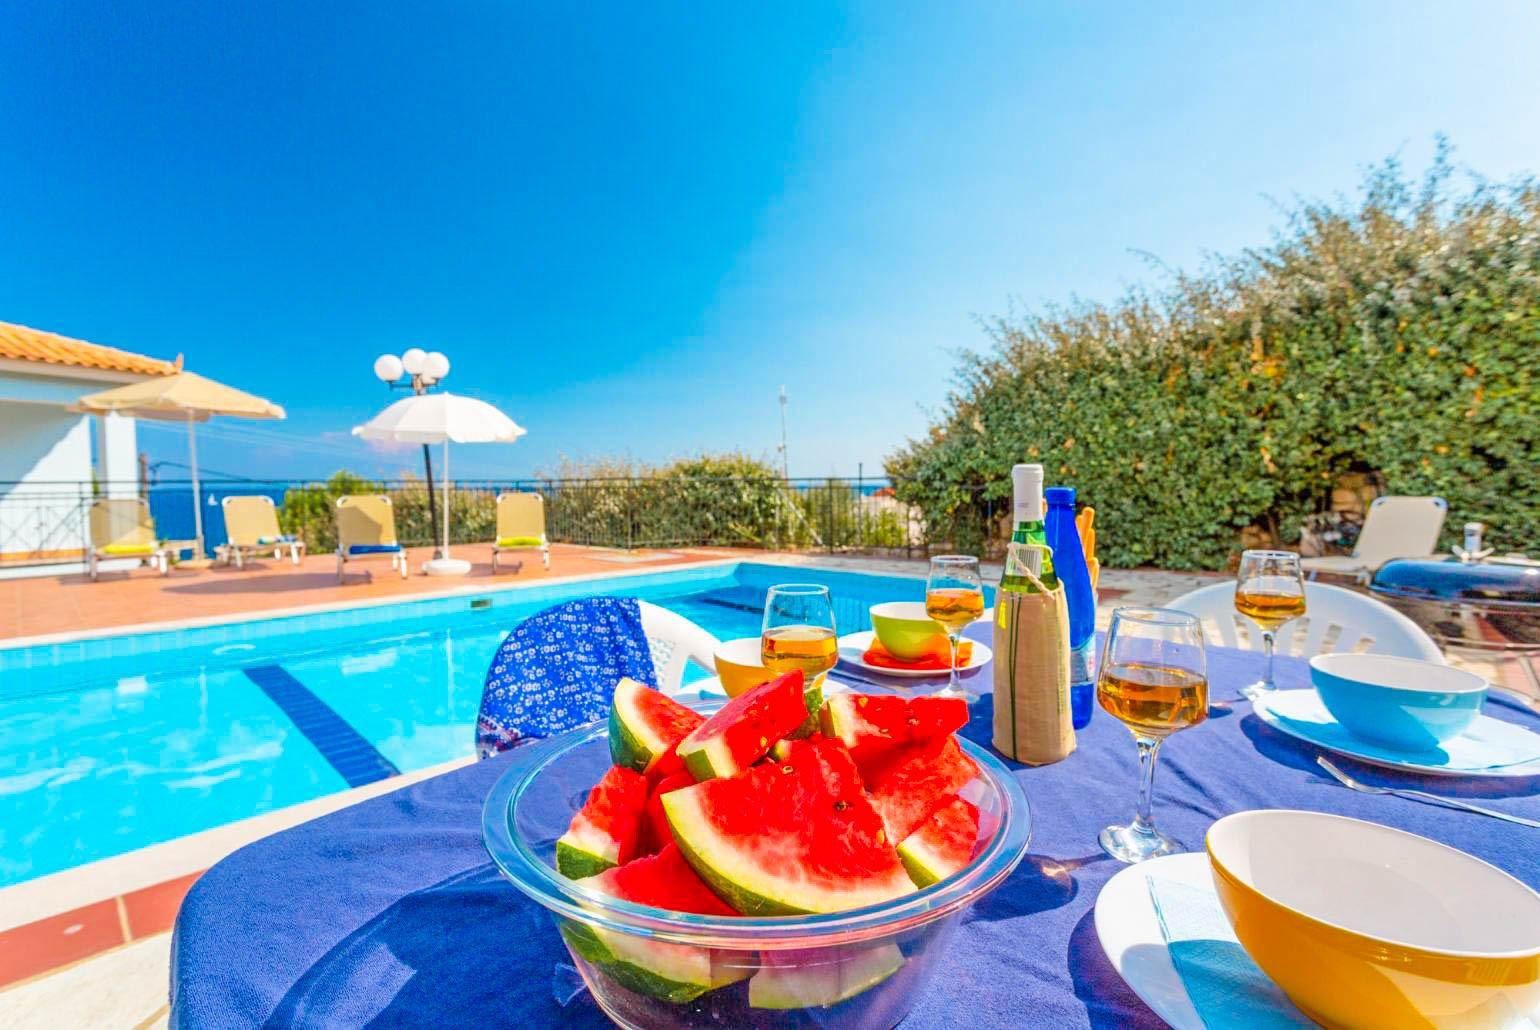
x: 53, y: 461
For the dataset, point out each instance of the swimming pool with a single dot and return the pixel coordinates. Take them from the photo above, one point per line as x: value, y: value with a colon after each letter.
x: 114, y: 743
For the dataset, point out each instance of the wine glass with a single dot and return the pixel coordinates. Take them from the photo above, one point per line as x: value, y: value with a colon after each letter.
x: 954, y: 597
x: 799, y: 631
x: 1269, y: 591
x: 1154, y: 680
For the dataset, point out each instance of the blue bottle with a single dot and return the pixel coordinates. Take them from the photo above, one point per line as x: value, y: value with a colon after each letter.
x: 1069, y: 563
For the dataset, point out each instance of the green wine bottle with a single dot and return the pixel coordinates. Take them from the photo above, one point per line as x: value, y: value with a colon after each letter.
x: 1027, y: 486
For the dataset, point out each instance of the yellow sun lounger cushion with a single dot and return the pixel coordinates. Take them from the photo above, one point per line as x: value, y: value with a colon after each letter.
x: 520, y: 541
x: 128, y: 549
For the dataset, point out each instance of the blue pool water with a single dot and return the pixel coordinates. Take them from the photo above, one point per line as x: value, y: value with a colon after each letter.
x: 114, y: 743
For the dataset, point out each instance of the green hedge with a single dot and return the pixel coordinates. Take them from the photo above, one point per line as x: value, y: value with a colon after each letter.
x: 1398, y: 334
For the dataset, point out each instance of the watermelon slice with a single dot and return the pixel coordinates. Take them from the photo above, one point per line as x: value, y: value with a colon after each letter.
x: 872, y: 726
x: 646, y: 725
x: 818, y: 978
x: 943, y: 844
x: 789, y: 837
x: 677, y: 973
x: 655, y: 834
x: 917, y: 780
x: 744, y: 728
x: 607, y: 829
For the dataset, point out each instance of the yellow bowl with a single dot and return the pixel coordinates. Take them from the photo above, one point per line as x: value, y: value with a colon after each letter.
x: 738, y: 665
x: 1363, y: 925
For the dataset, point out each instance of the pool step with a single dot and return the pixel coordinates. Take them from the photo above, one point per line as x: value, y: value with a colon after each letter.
x: 356, y: 760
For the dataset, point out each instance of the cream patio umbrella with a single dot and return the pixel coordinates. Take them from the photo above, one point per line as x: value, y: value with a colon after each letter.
x: 183, y: 397
x: 439, y: 418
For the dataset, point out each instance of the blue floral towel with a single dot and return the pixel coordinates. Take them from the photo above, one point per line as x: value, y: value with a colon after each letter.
x: 558, y: 669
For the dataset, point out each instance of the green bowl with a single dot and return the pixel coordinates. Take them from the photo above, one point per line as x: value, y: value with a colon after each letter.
x: 906, y: 631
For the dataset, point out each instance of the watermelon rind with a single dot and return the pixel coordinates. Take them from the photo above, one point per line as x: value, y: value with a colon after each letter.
x: 576, y: 863
x: 605, y: 831
x: 677, y: 973
x: 637, y: 741
x: 822, y: 983
x: 921, y: 862
x: 943, y: 844
x: 711, y: 750
x: 752, y: 891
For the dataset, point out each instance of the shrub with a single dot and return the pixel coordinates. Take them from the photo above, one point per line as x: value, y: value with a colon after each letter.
x: 1399, y: 334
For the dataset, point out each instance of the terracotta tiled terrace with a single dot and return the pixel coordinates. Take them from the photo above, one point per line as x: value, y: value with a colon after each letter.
x: 72, y: 604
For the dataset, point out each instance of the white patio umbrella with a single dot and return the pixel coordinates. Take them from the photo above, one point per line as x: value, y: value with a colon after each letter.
x: 439, y: 418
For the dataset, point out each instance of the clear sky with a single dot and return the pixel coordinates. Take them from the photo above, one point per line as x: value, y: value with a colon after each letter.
x: 627, y: 227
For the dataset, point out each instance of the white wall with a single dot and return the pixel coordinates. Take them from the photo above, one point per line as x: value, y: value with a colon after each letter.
x: 45, y: 454
x: 46, y: 458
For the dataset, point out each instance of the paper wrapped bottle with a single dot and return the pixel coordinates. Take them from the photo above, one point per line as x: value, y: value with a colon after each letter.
x: 1031, y: 663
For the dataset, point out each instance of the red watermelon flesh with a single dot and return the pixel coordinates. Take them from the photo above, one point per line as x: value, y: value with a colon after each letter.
x: 745, y: 728
x: 790, y: 836
x: 668, y: 765
x: 664, y: 880
x: 916, y: 781
x: 943, y: 844
x: 655, y: 835
x: 606, y: 831
x: 873, y: 726
x: 646, y: 725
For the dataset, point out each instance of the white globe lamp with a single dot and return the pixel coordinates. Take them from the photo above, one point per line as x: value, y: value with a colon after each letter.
x: 387, y: 368
x: 413, y: 360
x: 435, y: 366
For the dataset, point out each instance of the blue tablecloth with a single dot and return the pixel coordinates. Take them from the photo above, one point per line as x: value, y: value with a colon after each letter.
x: 389, y: 913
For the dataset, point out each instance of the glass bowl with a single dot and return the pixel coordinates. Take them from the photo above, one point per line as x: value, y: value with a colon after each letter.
x: 652, y: 967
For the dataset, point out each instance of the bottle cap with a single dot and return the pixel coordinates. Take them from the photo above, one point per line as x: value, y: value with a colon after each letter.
x: 1060, y: 495
x: 1027, y: 484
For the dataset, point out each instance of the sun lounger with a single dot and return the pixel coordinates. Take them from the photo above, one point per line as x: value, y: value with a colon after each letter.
x: 121, y: 527
x: 520, y: 527
x: 1397, y: 527
x: 251, y: 527
x: 366, y: 528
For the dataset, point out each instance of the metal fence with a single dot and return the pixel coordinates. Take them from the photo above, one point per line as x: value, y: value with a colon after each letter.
x: 830, y: 514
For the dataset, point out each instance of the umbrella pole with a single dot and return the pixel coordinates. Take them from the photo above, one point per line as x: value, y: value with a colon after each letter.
x: 446, y: 497
x: 427, y: 462
x: 192, y: 462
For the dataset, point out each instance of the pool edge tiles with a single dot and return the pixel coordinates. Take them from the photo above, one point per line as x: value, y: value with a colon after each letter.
x: 59, y: 664
x: 447, y: 594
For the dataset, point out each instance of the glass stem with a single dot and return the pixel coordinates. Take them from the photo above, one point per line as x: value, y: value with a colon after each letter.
x: 954, y: 682
x: 1267, y: 658
x: 1149, y: 749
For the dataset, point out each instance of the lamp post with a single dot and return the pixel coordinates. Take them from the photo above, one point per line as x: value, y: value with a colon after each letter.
x: 419, y: 371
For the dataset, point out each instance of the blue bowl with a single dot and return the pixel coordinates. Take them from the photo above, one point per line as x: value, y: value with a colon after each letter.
x: 1403, y: 703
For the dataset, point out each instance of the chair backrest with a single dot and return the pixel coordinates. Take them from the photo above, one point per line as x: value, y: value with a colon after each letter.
x: 520, y: 515
x: 1401, y: 527
x: 249, y: 519
x: 1335, y: 619
x: 674, y: 641
x: 558, y: 668
x: 121, y: 522
x: 365, y: 519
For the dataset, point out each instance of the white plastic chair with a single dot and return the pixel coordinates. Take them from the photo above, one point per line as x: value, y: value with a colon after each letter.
x: 1335, y: 619
x: 674, y: 641
x: 1396, y: 527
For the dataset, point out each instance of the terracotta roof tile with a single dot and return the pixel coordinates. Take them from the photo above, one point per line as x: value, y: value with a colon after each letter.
x: 23, y: 344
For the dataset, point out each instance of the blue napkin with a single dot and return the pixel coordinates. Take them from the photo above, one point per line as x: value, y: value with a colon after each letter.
x: 1225, y: 986
x: 1488, y: 743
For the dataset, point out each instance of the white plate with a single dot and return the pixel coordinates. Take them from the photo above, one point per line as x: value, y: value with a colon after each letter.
x: 1339, y: 741
x: 854, y: 645
x: 1130, y: 934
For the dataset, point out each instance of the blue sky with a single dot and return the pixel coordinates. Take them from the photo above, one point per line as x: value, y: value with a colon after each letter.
x: 627, y: 227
